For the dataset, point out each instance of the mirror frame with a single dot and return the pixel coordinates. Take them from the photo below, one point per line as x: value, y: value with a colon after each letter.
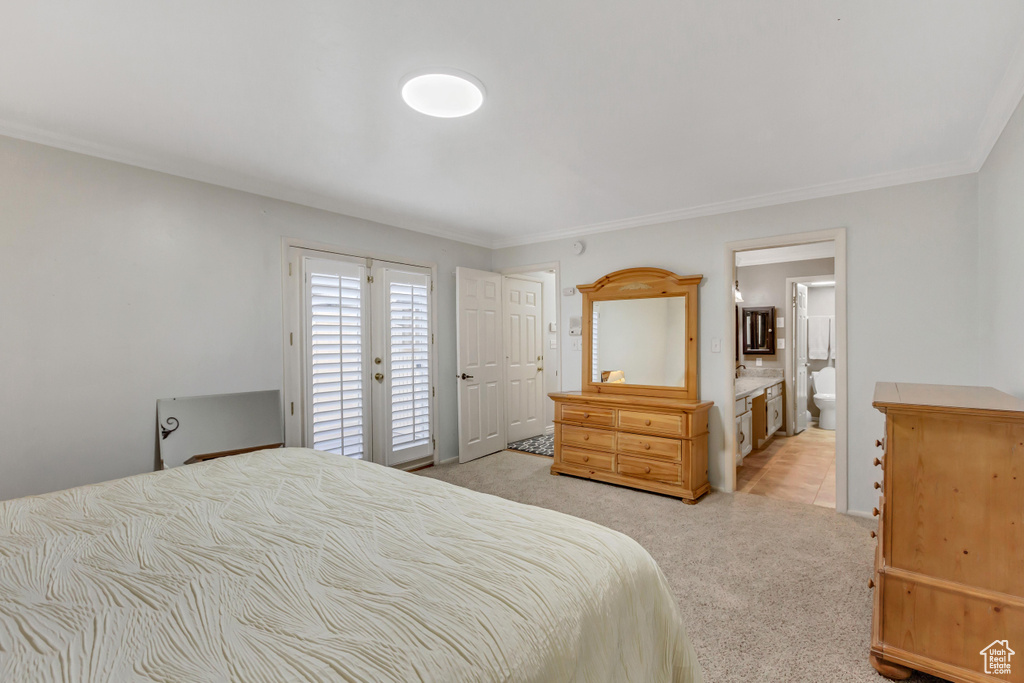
x: 769, y: 313
x: 643, y: 283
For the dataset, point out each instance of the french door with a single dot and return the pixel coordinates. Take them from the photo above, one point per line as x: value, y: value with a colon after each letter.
x: 367, y: 357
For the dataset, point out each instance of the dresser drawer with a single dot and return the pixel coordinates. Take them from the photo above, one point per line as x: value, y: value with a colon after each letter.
x: 589, y: 459
x: 585, y: 415
x: 655, y: 470
x: 596, y: 439
x: 652, y: 422
x: 649, y: 446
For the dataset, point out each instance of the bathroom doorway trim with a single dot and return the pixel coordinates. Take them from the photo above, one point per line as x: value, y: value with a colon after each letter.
x: 837, y: 235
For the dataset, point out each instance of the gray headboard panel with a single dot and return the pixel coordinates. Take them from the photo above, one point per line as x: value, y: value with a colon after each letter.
x: 196, y: 425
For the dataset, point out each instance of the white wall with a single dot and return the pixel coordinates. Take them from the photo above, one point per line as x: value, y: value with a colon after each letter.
x: 119, y: 286
x: 1001, y: 260
x: 911, y: 253
x: 765, y: 285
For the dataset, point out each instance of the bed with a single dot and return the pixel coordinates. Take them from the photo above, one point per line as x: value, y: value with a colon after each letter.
x: 297, y: 565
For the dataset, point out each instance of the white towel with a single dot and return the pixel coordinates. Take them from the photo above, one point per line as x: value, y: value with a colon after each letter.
x: 817, y: 337
x: 832, y: 337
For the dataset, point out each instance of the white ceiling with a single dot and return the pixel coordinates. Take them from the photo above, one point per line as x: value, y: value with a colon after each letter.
x: 599, y: 114
x: 796, y: 252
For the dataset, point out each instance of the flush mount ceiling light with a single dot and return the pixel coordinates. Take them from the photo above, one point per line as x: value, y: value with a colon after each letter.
x: 444, y: 93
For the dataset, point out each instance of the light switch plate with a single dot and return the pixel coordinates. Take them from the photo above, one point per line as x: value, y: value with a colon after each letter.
x: 552, y: 327
x: 780, y: 323
x: 716, y: 345
x: 577, y: 344
x: 553, y: 343
x: 781, y: 343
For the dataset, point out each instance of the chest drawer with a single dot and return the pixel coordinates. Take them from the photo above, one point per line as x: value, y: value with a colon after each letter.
x: 649, y: 446
x: 585, y: 415
x: 596, y: 439
x: 589, y: 459
x: 654, y: 470
x: 652, y: 422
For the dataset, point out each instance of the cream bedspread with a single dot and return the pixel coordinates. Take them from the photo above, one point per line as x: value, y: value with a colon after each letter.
x: 295, y: 565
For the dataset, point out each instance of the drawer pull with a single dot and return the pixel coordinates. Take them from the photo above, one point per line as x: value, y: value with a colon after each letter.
x: 877, y: 462
x: 874, y: 512
x: 586, y: 437
x: 647, y: 469
x: 871, y: 583
x: 647, y: 422
x: 586, y: 415
x: 877, y: 485
x: 873, y: 534
x: 742, y: 437
x: 586, y: 458
x: 878, y: 443
x: 647, y: 446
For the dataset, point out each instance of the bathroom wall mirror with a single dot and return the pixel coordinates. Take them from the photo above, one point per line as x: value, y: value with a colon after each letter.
x: 759, y: 330
x: 640, y: 333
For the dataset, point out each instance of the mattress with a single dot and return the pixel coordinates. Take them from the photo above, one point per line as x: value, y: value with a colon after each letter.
x: 296, y: 565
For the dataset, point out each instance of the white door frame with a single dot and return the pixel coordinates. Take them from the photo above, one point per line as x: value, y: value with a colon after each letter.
x: 838, y: 235
x: 791, y: 346
x: 536, y: 268
x: 291, y: 329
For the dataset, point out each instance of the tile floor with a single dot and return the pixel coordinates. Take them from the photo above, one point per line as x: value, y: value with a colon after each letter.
x: 799, y: 468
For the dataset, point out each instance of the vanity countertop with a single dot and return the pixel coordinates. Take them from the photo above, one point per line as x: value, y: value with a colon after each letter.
x: 747, y: 386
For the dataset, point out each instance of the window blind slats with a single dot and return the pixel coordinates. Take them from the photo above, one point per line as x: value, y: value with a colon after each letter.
x: 336, y: 363
x: 409, y: 341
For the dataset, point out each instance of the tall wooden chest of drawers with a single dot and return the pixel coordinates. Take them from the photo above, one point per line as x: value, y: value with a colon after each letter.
x: 655, y: 444
x: 949, y: 566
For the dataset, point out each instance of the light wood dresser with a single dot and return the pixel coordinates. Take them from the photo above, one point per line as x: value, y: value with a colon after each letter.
x: 949, y: 566
x: 655, y: 444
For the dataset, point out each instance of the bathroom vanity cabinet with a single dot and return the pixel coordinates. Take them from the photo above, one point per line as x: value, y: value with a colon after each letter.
x: 767, y: 414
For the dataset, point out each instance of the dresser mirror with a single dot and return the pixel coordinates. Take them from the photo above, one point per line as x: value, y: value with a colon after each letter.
x: 640, y: 333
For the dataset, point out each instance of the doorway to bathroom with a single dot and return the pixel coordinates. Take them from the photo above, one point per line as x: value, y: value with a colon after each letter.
x: 788, y: 369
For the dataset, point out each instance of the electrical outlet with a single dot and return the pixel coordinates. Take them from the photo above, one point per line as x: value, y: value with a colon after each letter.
x: 577, y: 344
x: 553, y: 343
x: 759, y: 363
x: 716, y: 345
x: 780, y: 323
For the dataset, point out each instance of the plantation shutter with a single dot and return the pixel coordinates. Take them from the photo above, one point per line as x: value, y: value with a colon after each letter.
x: 595, y: 364
x: 337, y: 383
x: 407, y: 331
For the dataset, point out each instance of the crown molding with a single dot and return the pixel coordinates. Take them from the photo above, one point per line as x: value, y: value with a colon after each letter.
x: 211, y: 175
x: 874, y: 182
x: 1004, y: 103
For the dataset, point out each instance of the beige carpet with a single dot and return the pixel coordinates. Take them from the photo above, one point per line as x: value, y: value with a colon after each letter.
x: 770, y: 590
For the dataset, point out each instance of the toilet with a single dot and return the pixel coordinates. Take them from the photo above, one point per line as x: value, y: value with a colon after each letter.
x: 825, y: 396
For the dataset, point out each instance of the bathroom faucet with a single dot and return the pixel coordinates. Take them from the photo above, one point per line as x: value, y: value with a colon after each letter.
x: 741, y: 365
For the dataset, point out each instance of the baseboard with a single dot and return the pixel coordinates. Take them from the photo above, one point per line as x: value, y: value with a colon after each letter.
x: 449, y: 461
x: 860, y: 513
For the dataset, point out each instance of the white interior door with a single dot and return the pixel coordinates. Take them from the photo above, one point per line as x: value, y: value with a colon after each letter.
x: 524, y: 371
x: 800, y: 356
x: 479, y: 367
x: 401, y: 364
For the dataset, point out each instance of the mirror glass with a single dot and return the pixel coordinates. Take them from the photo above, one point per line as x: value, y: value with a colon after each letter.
x: 640, y: 341
x: 759, y: 330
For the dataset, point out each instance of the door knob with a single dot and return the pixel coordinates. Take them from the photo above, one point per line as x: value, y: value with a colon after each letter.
x: 465, y: 376
x: 379, y: 377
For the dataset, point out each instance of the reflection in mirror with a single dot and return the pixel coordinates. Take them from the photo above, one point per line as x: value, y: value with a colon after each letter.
x: 640, y: 341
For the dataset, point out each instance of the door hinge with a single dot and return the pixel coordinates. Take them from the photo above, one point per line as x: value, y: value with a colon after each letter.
x: 433, y: 391
x: 369, y: 278
x: 291, y: 339
x: 431, y: 337
x: 433, y: 442
x: 293, y: 407
x: 431, y: 285
x: 289, y: 270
